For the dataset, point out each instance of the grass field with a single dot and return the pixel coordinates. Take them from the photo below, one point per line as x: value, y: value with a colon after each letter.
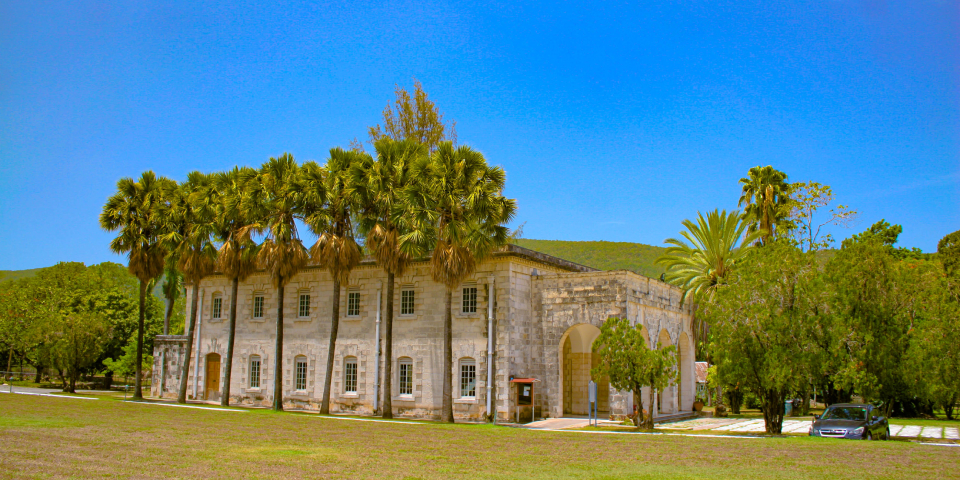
x: 43, y: 437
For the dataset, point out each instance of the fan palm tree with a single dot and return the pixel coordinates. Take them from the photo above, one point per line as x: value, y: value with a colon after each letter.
x: 275, y: 199
x: 716, y: 244
x: 172, y: 286
x: 331, y: 207
x: 192, y: 213
x: 460, y: 211
x: 139, y: 211
x: 236, y: 258
x: 383, y: 218
x: 764, y: 193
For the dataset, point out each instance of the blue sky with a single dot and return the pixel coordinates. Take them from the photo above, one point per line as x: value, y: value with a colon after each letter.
x: 614, y: 121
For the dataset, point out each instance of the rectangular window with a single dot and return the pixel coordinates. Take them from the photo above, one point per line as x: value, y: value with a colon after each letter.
x: 217, y: 306
x: 406, y: 377
x: 301, y: 374
x: 255, y: 372
x: 258, y: 306
x: 353, y: 304
x: 350, y: 376
x: 406, y: 302
x: 468, y: 378
x: 469, y: 299
x: 304, y: 305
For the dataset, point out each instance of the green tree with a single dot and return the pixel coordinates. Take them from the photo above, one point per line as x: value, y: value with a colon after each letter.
x: 384, y: 220
x: 805, y: 200
x: 762, y: 321
x: 233, y: 225
x: 631, y: 364
x: 330, y: 209
x: 764, y: 193
x: 460, y: 210
x: 416, y: 118
x: 948, y: 248
x: 716, y: 244
x: 276, y: 200
x: 873, y: 327
x: 139, y: 210
x: 932, y: 364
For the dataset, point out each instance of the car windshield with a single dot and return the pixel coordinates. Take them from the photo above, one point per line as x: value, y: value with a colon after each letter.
x: 845, y: 413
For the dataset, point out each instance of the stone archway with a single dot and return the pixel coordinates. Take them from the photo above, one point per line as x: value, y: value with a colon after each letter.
x: 667, y: 398
x: 688, y: 373
x: 577, y: 358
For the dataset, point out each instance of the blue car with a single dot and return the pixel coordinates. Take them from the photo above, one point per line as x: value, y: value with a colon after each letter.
x: 855, y: 421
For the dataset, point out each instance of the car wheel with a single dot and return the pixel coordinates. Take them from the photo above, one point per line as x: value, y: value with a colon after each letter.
x: 886, y: 435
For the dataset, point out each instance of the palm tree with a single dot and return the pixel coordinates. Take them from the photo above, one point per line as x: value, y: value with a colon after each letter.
x: 237, y: 256
x: 331, y: 206
x: 172, y: 285
x: 192, y: 213
x: 379, y: 186
x: 716, y: 244
x: 765, y: 192
x: 460, y: 211
x: 138, y: 210
x: 275, y: 200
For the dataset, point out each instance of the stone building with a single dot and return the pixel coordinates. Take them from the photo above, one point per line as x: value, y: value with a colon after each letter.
x: 542, y: 313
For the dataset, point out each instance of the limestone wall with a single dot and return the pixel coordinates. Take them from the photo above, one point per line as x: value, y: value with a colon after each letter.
x: 563, y: 301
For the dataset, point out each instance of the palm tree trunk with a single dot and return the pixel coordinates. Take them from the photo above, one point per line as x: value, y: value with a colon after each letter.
x: 138, y: 392
x: 331, y: 349
x: 185, y: 368
x: 228, y: 368
x: 278, y: 354
x: 388, y: 350
x: 167, y: 314
x: 446, y: 412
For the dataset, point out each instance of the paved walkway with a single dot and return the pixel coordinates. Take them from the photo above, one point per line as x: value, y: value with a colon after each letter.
x: 803, y: 426
x: 746, y: 425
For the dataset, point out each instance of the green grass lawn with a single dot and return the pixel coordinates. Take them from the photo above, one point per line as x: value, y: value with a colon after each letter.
x: 43, y: 437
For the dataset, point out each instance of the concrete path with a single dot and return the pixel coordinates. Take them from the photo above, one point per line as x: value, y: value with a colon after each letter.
x: 802, y: 427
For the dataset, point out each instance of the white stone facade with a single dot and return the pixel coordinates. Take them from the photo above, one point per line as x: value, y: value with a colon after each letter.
x: 541, y: 303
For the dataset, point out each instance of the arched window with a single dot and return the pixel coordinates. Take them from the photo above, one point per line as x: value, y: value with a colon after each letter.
x: 216, y: 307
x: 405, y: 376
x: 258, y: 305
x: 468, y: 378
x: 301, y: 373
x: 350, y: 375
x: 254, y: 371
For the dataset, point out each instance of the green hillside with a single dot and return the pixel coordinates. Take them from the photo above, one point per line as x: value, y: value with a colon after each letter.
x: 11, y: 275
x: 17, y: 274
x: 602, y: 255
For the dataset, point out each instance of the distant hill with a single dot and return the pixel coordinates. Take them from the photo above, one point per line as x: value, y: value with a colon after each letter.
x: 17, y: 274
x: 11, y: 275
x: 602, y: 255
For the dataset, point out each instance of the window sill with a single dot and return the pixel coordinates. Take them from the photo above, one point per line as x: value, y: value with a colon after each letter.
x: 257, y: 319
x: 404, y: 398
x: 407, y: 316
x: 350, y: 395
x: 352, y: 317
x: 302, y: 319
x: 469, y: 400
x: 253, y: 390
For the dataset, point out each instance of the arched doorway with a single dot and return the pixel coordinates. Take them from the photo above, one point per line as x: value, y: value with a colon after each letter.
x: 577, y: 358
x: 666, y: 399
x: 211, y: 379
x: 688, y: 373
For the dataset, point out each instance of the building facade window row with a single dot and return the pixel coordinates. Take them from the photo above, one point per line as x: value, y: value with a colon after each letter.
x: 407, y: 303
